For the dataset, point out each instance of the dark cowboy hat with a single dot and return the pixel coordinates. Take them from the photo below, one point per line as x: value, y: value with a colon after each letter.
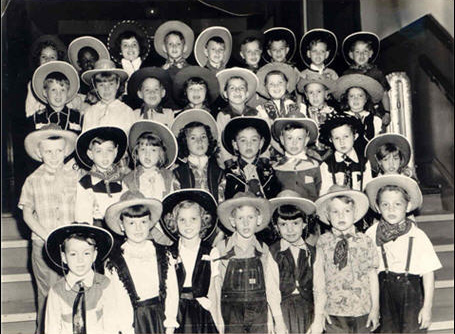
x: 280, y: 33
x: 370, y: 85
x: 200, y: 196
x: 240, y: 39
x: 286, y: 69
x: 103, y: 65
x: 326, y: 79
x: 189, y: 72
x: 324, y: 35
x: 138, y: 77
x: 158, y: 129
x: 86, y: 41
x: 194, y: 115
x: 204, y: 36
x: 291, y: 197
x: 400, y: 141
x: 54, y: 39
x: 295, y: 118
x: 251, y: 79
x: 363, y: 36
x: 62, y: 67
x: 405, y: 182
x: 335, y: 121
x: 117, y: 135
x: 120, y: 28
x: 235, y: 125
x: 167, y: 27
x: 129, y: 199
x: 244, y: 199
x: 57, y: 237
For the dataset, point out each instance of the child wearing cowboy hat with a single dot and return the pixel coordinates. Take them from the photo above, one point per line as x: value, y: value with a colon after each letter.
x: 297, y: 170
x: 77, y: 300
x: 189, y: 218
x: 293, y: 258
x: 141, y: 271
x: 174, y: 42
x: 152, y: 86
x: 47, y: 200
x: 249, y: 302
x: 247, y: 49
x: 213, y: 48
x: 99, y: 150
x: 280, y: 45
x: 345, y: 282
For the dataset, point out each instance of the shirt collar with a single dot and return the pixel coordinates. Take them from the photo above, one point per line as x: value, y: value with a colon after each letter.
x: 352, y: 155
x: 131, y: 66
x: 352, y: 231
x: 72, y: 279
x: 301, y: 155
x: 362, y: 114
x: 233, y: 242
x: 317, y: 69
x: 199, y: 162
x: 284, y: 244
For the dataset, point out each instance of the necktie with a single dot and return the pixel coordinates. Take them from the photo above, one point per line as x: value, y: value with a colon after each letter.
x: 340, y: 255
x: 347, y: 172
x: 79, y: 316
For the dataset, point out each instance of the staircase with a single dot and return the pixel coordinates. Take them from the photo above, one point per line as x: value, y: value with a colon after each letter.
x: 18, y: 305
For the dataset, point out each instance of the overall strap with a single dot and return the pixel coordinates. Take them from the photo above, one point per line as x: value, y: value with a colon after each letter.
x: 408, y: 260
x: 384, y: 259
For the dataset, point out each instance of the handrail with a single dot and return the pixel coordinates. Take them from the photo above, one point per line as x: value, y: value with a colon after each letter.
x: 436, y: 77
x: 444, y: 171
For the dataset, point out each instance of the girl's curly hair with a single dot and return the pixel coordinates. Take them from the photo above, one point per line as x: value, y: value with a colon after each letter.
x: 44, y: 44
x: 170, y: 219
x: 344, y: 105
x: 127, y: 35
x: 182, y: 139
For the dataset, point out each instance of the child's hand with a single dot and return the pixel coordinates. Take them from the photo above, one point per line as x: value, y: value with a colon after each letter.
x: 280, y: 328
x: 170, y: 330
x: 373, y: 320
x: 315, y: 328
x: 424, y: 317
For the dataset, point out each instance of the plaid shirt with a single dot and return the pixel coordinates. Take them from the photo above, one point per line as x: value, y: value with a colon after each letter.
x: 50, y: 196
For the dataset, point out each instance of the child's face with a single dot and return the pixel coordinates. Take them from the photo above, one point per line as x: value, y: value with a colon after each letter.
x: 197, y: 141
x: 291, y: 230
x: 215, y: 53
x: 294, y: 140
x: 251, y: 53
x: 248, y: 142
x: 245, y: 219
x: 276, y: 86
x: 356, y: 99
x: 390, y: 164
x: 129, y: 48
x: 236, y: 91
x: 316, y: 94
x: 189, y: 222
x: 47, y: 54
x: 56, y: 94
x: 278, y: 51
x: 87, y: 60
x: 340, y: 214
x: 174, y: 47
x: 196, y: 94
x: 151, y: 92
x: 137, y: 228
x: 107, y: 90
x: 52, y: 152
x: 343, y: 138
x: 103, y: 155
x: 318, y: 53
x: 148, y: 155
x: 79, y: 255
x: 361, y: 53
x: 392, y: 206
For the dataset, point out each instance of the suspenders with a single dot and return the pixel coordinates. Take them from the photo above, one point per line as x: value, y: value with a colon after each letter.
x: 408, y: 259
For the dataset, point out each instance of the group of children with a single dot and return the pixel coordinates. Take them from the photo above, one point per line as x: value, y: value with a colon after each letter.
x: 206, y: 199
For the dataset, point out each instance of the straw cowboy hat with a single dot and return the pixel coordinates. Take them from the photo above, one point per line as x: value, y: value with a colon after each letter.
x: 291, y: 197
x: 400, y: 141
x: 203, y: 38
x: 167, y: 27
x: 103, y: 65
x: 286, y: 69
x: 296, y: 118
x: 251, y: 79
x: 86, y: 41
x: 194, y: 115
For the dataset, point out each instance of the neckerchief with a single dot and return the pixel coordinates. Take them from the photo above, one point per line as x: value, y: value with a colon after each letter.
x: 149, y: 115
x: 113, y: 175
x: 198, y: 162
x: 317, y: 69
x: 319, y: 114
x: 340, y: 255
x: 179, y: 63
x: 362, y: 68
x: 386, y: 232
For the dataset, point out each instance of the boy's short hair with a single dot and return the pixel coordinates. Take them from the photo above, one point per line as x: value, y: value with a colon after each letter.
x: 345, y: 199
x: 194, y: 81
x: 151, y: 139
x: 100, y: 140
x: 182, y: 139
x: 216, y: 39
x: 135, y: 211
x: 315, y: 42
x: 293, y: 126
x: 151, y: 77
x: 406, y: 196
x: 127, y: 35
x: 206, y: 218
x: 246, y: 128
x: 369, y: 44
x: 234, y: 210
x: 79, y: 236
x: 275, y: 72
x: 57, y: 77
x: 386, y: 149
x: 277, y: 39
x: 106, y: 77
x: 176, y: 33
x: 251, y: 40
x: 233, y: 78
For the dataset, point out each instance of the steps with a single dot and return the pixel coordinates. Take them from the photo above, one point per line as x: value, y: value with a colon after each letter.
x: 18, y: 306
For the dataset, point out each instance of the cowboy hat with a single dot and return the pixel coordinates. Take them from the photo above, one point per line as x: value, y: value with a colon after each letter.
x: 370, y: 85
x: 286, y: 69
x: 251, y: 79
x: 195, y: 72
x: 296, y: 118
x: 400, y: 141
x: 205, y: 36
x: 278, y: 33
x: 166, y: 28
x: 323, y: 35
x: 194, y: 115
x: 86, y: 41
x: 103, y: 65
x: 291, y: 197
x: 362, y: 36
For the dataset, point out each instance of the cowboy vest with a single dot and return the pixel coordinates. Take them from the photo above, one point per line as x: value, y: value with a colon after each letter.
x: 340, y: 167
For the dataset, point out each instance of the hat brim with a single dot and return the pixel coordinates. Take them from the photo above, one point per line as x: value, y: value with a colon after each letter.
x: 305, y: 205
x: 194, y: 115
x: 162, y: 131
x: 286, y: 69
x: 251, y: 79
x: 117, y: 135
x: 55, y: 239
x: 44, y: 38
x: 201, y: 197
x: 226, y: 207
x: 280, y: 33
x: 167, y: 27
x: 307, y: 123
x: 86, y: 41
x: 138, y: 77
x: 241, y: 37
x: 400, y: 141
x: 319, y: 34
x: 370, y: 85
x: 324, y: 79
x: 405, y: 182
x: 120, y: 28
x: 87, y: 76
x: 237, y: 124
x: 32, y: 141
x: 114, y: 211
x: 195, y: 72
x: 204, y: 36
x: 63, y: 67
x: 359, y: 198
x: 364, y: 36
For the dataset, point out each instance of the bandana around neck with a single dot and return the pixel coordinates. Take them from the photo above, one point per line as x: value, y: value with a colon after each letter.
x: 390, y: 232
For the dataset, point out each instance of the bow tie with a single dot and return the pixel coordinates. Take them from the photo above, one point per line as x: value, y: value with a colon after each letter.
x: 177, y: 63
